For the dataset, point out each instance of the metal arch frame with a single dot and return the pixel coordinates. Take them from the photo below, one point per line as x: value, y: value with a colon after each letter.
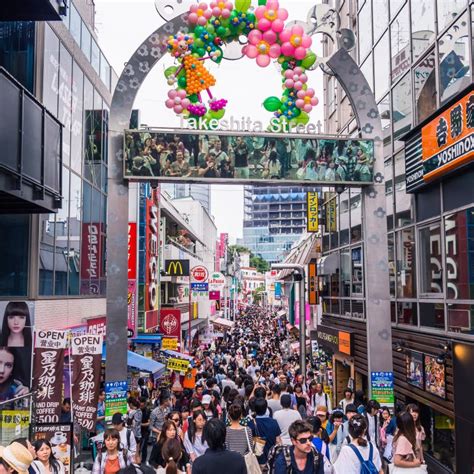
x: 362, y: 99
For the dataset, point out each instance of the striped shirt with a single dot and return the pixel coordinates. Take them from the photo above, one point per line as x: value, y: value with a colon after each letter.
x: 236, y: 440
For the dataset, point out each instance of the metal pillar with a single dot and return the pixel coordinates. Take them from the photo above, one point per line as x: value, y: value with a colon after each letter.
x: 301, y: 296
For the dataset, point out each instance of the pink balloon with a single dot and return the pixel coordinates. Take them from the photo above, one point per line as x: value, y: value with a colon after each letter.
x: 306, y: 42
x: 301, y: 94
x: 275, y: 51
x: 263, y: 60
x: 285, y: 36
x: 182, y: 93
x: 255, y: 37
x: 202, y: 20
x: 289, y: 83
x: 259, y: 12
x: 177, y: 100
x: 193, y: 18
x: 299, y: 103
x: 278, y: 25
x: 208, y: 14
x: 251, y: 51
x: 297, y: 30
x: 216, y: 11
x: 308, y: 108
x: 203, y: 6
x: 178, y: 109
x: 298, y: 70
x: 287, y: 49
x: 169, y: 103
x: 299, y: 53
x: 272, y: 5
x: 186, y: 103
x: 315, y: 101
x: 264, y: 24
x: 298, y: 85
x: 225, y: 13
x: 289, y: 74
x: 172, y: 93
x: 310, y: 92
x: 269, y: 36
x: 304, y: 78
x: 283, y: 14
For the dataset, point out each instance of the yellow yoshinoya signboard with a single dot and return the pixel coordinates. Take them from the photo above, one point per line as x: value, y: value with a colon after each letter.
x: 178, y: 365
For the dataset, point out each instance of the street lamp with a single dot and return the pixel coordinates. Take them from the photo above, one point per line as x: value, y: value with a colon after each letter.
x: 301, y: 271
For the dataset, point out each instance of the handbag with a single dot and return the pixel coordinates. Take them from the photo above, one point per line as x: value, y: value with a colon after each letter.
x: 259, y: 441
x: 251, y: 461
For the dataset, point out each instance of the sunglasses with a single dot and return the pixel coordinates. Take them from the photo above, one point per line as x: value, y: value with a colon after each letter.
x: 304, y: 440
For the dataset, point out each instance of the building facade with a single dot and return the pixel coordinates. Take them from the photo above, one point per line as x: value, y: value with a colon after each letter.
x: 200, y: 192
x: 417, y: 57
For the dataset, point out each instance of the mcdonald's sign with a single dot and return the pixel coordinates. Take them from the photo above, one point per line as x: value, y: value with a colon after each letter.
x: 177, y: 267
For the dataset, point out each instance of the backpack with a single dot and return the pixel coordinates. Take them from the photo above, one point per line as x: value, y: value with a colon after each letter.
x: 275, y: 451
x: 366, y: 467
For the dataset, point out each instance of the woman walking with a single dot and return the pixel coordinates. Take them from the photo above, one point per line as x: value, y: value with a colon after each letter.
x: 45, y: 462
x: 238, y: 437
x: 113, y: 457
x: 404, y: 444
x: 194, y: 443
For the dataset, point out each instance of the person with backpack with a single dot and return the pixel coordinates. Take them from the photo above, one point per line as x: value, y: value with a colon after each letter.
x: 127, y: 438
x: 113, y: 457
x: 134, y: 419
x: 299, y: 458
x: 360, y: 456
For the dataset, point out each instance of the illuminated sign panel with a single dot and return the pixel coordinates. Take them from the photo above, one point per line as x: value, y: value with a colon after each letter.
x: 203, y: 156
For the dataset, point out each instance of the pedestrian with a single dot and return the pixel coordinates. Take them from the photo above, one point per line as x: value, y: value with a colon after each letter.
x: 414, y: 411
x: 371, y: 416
x: 65, y: 416
x: 158, y: 415
x: 134, y: 419
x: 15, y: 458
x: 274, y: 403
x: 113, y: 455
x: 348, y: 399
x: 100, y: 424
x: 302, y: 400
x: 301, y: 457
x: 388, y: 427
x: 145, y: 428
x: 405, y: 450
x: 46, y: 463
x: 194, y: 442
x: 175, y: 417
x: 319, y: 438
x: 360, y: 454
x: 127, y: 438
x: 238, y: 437
x: 318, y: 397
x: 172, y: 454
x: 217, y: 459
x: 285, y: 417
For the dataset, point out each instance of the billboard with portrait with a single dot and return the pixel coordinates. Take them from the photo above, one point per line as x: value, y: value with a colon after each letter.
x: 238, y: 157
x: 414, y: 362
x: 16, y: 342
x: 435, y: 377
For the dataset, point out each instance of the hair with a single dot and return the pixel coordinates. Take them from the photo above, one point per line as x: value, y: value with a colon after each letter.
x: 166, y: 426
x: 67, y: 400
x: 17, y: 371
x: 359, y: 398
x: 348, y: 389
x: 298, y: 385
x: 7, y: 466
x: 214, y: 433
x: 22, y: 441
x: 235, y: 412
x: 19, y: 308
x: 358, y: 429
x: 315, y: 423
x: 406, y: 427
x: 285, y: 400
x: 336, y: 414
x: 170, y: 415
x: 55, y: 467
x: 114, y: 434
x: 260, y: 406
x: 276, y: 389
x: 248, y: 389
x: 171, y: 453
x: 372, y: 404
x: 133, y: 402
x: 192, y: 424
x: 298, y: 427
x: 413, y: 407
x: 195, y: 403
x: 260, y: 392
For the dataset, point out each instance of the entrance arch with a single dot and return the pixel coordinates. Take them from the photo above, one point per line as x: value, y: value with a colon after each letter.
x: 362, y: 99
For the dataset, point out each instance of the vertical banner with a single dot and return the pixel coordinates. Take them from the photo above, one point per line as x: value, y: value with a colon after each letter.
x: 132, y: 279
x: 132, y: 308
x: 170, y: 322
x: 312, y: 209
x: 330, y: 204
x: 86, y: 352
x: 132, y: 250
x: 48, y: 370
x: 312, y: 283
x: 277, y: 290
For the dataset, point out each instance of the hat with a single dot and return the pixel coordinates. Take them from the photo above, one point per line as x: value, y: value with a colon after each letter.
x: 17, y: 457
x: 351, y: 408
x: 117, y: 419
x: 321, y: 410
x: 206, y: 399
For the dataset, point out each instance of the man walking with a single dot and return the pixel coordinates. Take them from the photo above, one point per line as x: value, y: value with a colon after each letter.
x: 158, y: 415
x: 285, y: 417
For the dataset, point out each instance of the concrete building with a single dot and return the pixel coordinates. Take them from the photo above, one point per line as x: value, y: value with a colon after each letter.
x: 200, y: 192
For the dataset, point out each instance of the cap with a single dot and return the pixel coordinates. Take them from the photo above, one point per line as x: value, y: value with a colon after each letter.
x: 351, y: 408
x: 17, y: 457
x: 117, y: 419
x: 206, y: 399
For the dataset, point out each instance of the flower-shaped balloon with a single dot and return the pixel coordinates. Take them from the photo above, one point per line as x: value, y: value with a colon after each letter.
x: 199, y: 14
x: 295, y: 78
x: 177, y: 100
x: 221, y: 8
x: 271, y: 17
x: 306, y: 100
x: 295, y: 42
x: 262, y: 46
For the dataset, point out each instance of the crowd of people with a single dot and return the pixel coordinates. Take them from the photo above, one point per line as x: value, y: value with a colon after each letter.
x: 252, y: 409
x: 247, y: 157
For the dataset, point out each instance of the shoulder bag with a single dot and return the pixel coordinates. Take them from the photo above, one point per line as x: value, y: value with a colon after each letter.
x: 250, y: 459
x: 259, y: 441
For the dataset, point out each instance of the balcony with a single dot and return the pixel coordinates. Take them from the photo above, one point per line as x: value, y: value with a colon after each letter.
x: 33, y: 10
x: 31, y: 153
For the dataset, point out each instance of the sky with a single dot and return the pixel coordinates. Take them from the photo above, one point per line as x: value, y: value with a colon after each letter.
x: 122, y: 25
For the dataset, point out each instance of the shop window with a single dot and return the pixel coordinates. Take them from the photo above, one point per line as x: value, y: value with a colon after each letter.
x: 428, y: 203
x: 345, y: 273
x: 459, y: 249
x: 380, y: 13
x: 432, y: 315
x: 47, y: 254
x: 356, y: 215
x: 357, y: 271
x: 95, y: 57
x: 344, y: 217
x: 367, y: 69
x: 423, y: 28
x: 393, y: 314
x: 14, y: 241
x: 395, y: 7
x: 454, y: 71
x: 382, y: 67
x: 77, y: 117
x: 365, y: 29
x: 358, y: 309
x: 388, y: 176
x: 391, y: 263
x: 51, y: 70
x: 384, y: 111
x: 401, y: 108
x: 430, y: 259
x: 460, y: 318
x: 407, y: 313
x: 400, y: 44
x: 334, y: 236
x: 404, y: 203
x: 406, y: 258
x: 448, y: 10
x: 458, y: 190
x: 424, y: 83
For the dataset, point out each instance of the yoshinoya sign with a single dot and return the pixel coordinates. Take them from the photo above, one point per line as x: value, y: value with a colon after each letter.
x: 333, y: 340
x: 443, y: 145
x: 199, y: 274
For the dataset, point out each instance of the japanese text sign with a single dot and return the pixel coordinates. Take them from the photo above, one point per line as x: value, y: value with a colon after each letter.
x: 178, y: 365
x: 312, y: 220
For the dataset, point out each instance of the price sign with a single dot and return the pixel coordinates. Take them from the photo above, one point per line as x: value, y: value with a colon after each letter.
x: 178, y: 365
x: 169, y: 343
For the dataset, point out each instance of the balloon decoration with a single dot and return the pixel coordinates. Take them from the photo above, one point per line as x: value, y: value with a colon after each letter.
x: 221, y: 22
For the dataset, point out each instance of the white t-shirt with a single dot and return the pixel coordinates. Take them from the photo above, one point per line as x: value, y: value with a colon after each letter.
x: 285, y: 418
x: 348, y: 463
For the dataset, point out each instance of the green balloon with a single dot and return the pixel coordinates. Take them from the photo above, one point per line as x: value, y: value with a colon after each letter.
x: 221, y: 31
x: 182, y: 82
x: 217, y: 114
x: 210, y: 29
x: 303, y: 118
x: 199, y: 43
x: 201, y: 52
x: 199, y: 30
x: 251, y: 17
x: 193, y: 98
x: 171, y: 70
x: 272, y: 104
x: 296, y: 112
x: 285, y: 65
x: 308, y: 60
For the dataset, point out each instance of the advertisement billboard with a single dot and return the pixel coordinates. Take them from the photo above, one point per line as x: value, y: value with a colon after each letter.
x: 435, y: 377
x: 414, y: 365
x: 243, y: 158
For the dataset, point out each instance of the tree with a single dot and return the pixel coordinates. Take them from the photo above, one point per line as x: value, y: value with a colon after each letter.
x: 257, y: 294
x: 259, y: 263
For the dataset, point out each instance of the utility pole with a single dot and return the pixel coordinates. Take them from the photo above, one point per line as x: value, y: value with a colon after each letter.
x: 300, y: 273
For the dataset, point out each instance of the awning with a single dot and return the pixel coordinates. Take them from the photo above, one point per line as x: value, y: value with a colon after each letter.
x: 147, y: 339
x: 223, y: 322
x: 178, y: 355
x: 141, y: 363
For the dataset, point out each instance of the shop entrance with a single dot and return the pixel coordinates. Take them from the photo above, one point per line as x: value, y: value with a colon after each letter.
x: 342, y: 375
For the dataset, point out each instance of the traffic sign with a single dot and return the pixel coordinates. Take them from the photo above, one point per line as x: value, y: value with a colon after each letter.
x: 199, y: 274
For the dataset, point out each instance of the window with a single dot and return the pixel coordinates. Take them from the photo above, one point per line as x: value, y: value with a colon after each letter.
x: 384, y: 111
x: 406, y: 258
x: 422, y: 25
x: 367, y: 70
x: 75, y: 24
x: 430, y: 261
x: 76, y: 118
x: 407, y: 313
x: 461, y: 318
x: 401, y: 104
x: 65, y: 95
x: 404, y: 203
x: 357, y: 271
x: 400, y: 44
x: 459, y: 245
x: 432, y: 315
x: 95, y: 57
x: 388, y: 175
x: 448, y: 10
x: 51, y: 70
x: 380, y: 13
x: 345, y: 272
x: 344, y: 217
x: 424, y: 83
x: 395, y: 7
x: 454, y: 71
x: 86, y: 41
x: 356, y: 215
x: 382, y: 67
x: 365, y: 29
x: 61, y: 235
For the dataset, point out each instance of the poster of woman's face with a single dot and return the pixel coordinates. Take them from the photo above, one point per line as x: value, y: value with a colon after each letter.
x: 16, y: 345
